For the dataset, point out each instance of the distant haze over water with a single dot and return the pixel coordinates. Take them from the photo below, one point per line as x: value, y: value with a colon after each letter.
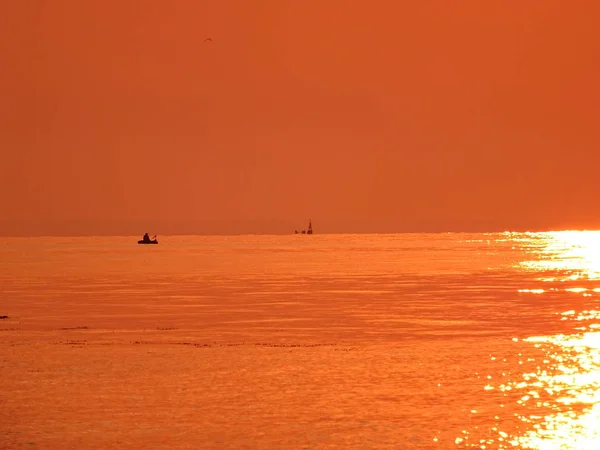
x: 270, y: 226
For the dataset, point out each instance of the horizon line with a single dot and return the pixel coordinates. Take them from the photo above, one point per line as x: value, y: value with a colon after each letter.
x: 91, y: 235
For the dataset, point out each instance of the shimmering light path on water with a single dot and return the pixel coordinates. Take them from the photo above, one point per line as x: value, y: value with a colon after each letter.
x: 410, y: 341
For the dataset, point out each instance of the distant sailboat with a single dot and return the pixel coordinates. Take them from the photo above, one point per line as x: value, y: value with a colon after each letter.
x: 309, y: 231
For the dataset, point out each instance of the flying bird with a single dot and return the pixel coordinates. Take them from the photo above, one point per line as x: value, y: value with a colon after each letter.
x: 207, y: 40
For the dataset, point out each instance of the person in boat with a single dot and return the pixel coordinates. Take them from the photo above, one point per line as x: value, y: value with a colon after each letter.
x: 146, y: 238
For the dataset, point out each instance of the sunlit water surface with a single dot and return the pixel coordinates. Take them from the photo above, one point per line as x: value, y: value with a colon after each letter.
x: 408, y: 341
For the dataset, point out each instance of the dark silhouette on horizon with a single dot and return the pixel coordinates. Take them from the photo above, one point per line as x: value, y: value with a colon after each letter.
x: 146, y: 240
x: 309, y: 231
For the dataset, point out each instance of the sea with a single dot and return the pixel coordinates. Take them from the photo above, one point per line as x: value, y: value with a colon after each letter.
x: 373, y: 341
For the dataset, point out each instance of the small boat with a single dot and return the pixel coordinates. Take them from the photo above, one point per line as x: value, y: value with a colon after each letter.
x: 146, y: 240
x: 309, y: 231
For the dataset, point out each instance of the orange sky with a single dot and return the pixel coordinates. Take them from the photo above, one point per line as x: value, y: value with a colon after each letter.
x: 116, y: 117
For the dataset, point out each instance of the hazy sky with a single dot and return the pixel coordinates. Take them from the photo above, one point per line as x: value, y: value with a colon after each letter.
x: 117, y: 117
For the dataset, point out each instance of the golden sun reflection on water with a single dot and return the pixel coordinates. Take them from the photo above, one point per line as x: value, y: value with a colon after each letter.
x: 574, y: 253
x: 556, y: 397
x: 571, y: 379
x: 554, y: 400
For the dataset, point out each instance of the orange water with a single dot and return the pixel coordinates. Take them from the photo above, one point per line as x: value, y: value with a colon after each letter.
x: 409, y: 341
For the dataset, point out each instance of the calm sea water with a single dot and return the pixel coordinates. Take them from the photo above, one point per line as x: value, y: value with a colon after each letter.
x: 407, y: 341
